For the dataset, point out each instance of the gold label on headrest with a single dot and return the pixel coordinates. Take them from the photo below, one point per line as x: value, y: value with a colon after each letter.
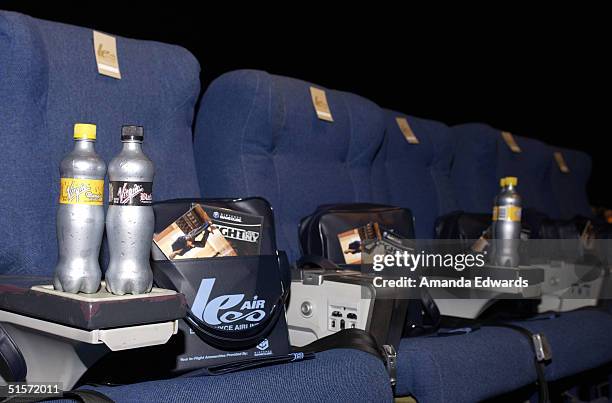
x: 107, y: 59
x: 319, y: 101
x: 407, y: 130
x: 510, y: 142
x: 561, y: 162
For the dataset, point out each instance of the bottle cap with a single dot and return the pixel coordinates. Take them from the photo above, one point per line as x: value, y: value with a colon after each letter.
x: 132, y: 133
x: 502, y: 182
x: 84, y: 131
x: 510, y: 180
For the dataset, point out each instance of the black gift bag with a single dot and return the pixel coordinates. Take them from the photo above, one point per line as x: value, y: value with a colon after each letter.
x: 236, y: 303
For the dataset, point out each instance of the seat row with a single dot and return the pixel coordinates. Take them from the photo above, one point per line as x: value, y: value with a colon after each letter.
x: 258, y: 134
x: 49, y: 81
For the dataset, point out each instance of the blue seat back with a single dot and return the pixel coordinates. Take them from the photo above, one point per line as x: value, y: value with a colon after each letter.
x: 571, y: 188
x: 474, y: 169
x: 48, y: 82
x: 482, y: 157
x: 257, y: 134
x: 416, y: 176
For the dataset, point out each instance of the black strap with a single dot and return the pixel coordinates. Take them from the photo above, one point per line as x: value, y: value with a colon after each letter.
x: 539, y: 365
x: 13, y: 367
x: 467, y: 325
x: 348, y: 338
x: 316, y: 262
x: 357, y: 339
x: 427, y: 320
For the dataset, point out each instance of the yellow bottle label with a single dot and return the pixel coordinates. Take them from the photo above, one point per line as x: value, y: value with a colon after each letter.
x: 507, y: 213
x: 82, y: 191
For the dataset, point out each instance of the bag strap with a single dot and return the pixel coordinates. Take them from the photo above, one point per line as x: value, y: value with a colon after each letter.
x: 430, y: 316
x: 13, y: 367
x: 356, y: 339
x: 538, y: 342
x: 316, y: 262
x: 541, y: 354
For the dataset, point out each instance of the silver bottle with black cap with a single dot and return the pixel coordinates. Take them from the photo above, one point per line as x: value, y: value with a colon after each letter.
x: 130, y: 219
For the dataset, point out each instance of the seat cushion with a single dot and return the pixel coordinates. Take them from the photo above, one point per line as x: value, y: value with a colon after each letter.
x: 464, y: 367
x: 48, y: 82
x: 579, y: 341
x: 570, y: 188
x: 481, y: 158
x: 335, y: 375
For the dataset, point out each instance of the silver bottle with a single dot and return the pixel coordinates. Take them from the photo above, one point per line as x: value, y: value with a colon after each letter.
x: 506, y: 224
x: 130, y: 219
x: 80, y: 216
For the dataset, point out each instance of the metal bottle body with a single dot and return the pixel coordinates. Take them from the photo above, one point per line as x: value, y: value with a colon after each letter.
x: 507, y: 227
x: 80, y: 224
x: 129, y: 223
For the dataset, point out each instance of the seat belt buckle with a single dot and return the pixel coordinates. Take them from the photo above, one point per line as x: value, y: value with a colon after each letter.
x: 541, y: 347
x: 390, y: 356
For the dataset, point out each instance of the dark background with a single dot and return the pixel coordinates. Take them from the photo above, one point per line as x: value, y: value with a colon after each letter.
x: 541, y: 74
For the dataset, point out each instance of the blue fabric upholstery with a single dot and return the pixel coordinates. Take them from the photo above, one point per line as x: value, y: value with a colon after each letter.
x: 482, y: 158
x: 258, y: 135
x: 416, y: 176
x: 494, y: 360
x: 465, y: 367
x: 570, y: 188
x: 48, y: 82
x: 579, y: 340
x: 474, y: 170
x: 335, y: 375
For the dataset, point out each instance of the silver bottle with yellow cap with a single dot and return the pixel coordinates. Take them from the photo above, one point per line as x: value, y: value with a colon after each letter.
x: 80, y: 216
x: 506, y: 224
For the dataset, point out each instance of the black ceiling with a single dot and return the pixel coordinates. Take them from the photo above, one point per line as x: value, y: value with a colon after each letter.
x: 536, y: 74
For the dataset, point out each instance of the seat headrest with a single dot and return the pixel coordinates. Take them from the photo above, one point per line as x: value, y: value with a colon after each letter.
x: 50, y: 81
x: 571, y: 188
x: 482, y: 157
x: 258, y: 134
x: 417, y: 176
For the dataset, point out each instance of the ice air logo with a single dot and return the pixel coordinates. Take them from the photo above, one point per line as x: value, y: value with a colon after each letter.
x: 216, y: 214
x: 224, y: 310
